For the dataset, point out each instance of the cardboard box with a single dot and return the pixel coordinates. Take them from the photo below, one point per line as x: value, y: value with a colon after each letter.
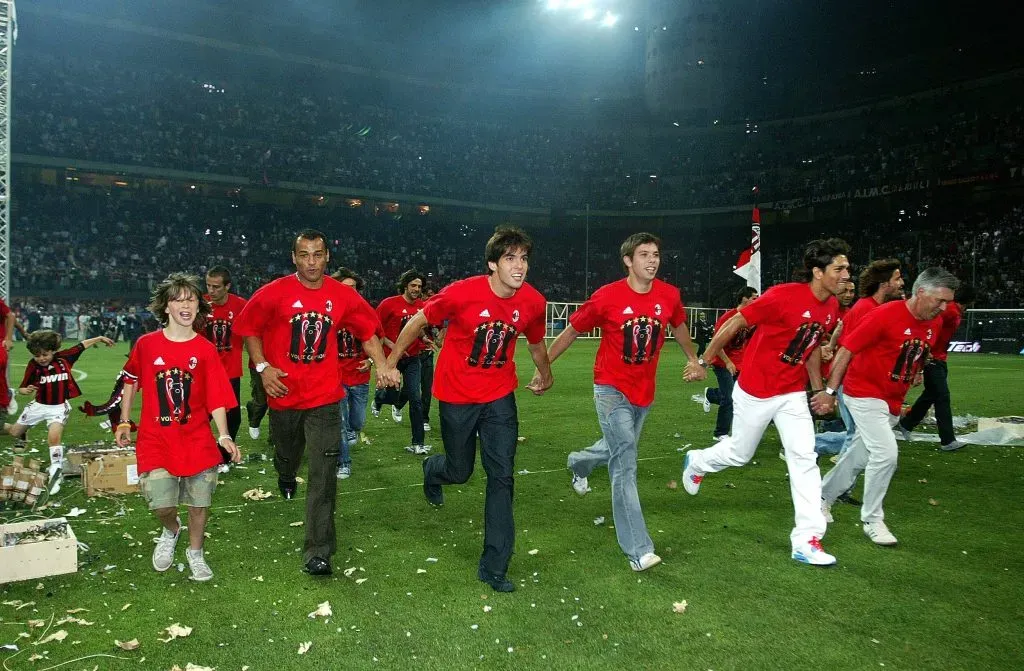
x: 114, y: 473
x: 30, y: 560
x: 77, y: 455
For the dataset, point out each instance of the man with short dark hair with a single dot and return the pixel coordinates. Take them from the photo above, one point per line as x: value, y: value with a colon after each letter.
x: 633, y: 315
x: 394, y: 313
x: 217, y: 327
x: 290, y: 329
x: 354, y: 368
x: 475, y: 384
x: 782, y: 356
x: 877, y: 363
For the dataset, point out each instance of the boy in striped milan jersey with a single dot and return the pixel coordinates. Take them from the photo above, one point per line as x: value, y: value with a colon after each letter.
x: 48, y: 377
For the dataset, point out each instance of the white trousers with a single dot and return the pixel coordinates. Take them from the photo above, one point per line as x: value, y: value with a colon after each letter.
x: 873, y: 452
x: 792, y: 417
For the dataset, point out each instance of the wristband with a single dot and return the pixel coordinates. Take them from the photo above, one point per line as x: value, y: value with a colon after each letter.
x: 124, y: 422
x: 222, y: 438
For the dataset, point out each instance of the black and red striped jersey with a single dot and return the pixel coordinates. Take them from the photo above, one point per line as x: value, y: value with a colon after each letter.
x: 54, y: 382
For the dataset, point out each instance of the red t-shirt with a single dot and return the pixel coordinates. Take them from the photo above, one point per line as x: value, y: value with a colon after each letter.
x: 298, y: 327
x: 790, y: 323
x: 220, y: 331
x: 394, y: 312
x: 890, y: 346
x: 4, y: 311
x: 181, y: 383
x: 351, y: 356
x: 476, y: 363
x: 734, y: 348
x: 632, y: 332
x: 950, y: 319
x: 855, y: 315
x: 54, y: 382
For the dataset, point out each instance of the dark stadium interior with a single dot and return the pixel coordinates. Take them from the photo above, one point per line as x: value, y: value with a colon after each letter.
x: 159, y: 136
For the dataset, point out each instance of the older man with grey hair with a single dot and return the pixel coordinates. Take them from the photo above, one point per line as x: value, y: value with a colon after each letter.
x: 880, y: 359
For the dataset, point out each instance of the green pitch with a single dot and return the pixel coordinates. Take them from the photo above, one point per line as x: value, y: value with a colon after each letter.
x: 947, y: 597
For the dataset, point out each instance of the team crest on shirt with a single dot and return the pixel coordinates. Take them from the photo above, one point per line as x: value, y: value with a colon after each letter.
x: 218, y: 331
x: 640, y: 337
x: 309, y: 337
x: 828, y: 320
x: 231, y: 314
x: 912, y: 354
x: 192, y: 363
x: 491, y: 341
x: 173, y: 390
x: 328, y: 306
x: 515, y: 315
x: 657, y: 309
x: 929, y: 334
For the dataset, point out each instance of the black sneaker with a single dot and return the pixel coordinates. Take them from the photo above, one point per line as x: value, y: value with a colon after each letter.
x: 287, y: 489
x: 498, y: 583
x: 318, y: 566
x: 845, y: 497
x: 434, y: 493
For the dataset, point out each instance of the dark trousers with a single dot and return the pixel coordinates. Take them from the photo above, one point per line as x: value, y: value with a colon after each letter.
x: 723, y: 397
x: 497, y: 425
x: 426, y: 381
x: 235, y: 413
x: 256, y: 408
x: 410, y: 393
x: 936, y: 392
x: 314, y: 431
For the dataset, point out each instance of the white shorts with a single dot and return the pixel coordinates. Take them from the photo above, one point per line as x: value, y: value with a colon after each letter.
x: 37, y: 413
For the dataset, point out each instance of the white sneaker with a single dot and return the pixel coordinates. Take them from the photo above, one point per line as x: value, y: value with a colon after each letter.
x: 879, y: 533
x: 952, y: 447
x: 344, y: 472
x: 163, y: 553
x: 224, y: 468
x: 580, y: 485
x: 418, y: 449
x: 426, y: 426
x: 375, y: 409
x: 705, y: 403
x: 396, y: 414
x: 647, y: 561
x: 812, y: 553
x: 105, y: 425
x: 201, y: 571
x: 902, y: 433
x: 826, y: 510
x: 691, y: 478
x: 254, y: 432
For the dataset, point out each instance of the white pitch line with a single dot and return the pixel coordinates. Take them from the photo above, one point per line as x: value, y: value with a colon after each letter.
x: 78, y: 373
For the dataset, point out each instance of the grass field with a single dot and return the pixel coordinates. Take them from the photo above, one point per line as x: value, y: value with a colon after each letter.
x: 949, y: 597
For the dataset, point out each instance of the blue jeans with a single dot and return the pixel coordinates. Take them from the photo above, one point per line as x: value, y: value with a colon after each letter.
x: 829, y: 442
x: 353, y: 417
x: 851, y: 427
x: 723, y: 397
x: 621, y: 423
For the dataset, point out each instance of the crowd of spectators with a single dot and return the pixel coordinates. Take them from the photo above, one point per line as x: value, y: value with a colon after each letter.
x: 329, y: 134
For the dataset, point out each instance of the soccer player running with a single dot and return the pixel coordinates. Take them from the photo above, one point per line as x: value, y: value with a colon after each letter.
x: 49, y: 378
x: 727, y: 366
x: 475, y: 384
x: 936, y: 378
x: 877, y: 363
x: 633, y: 315
x: 782, y: 356
x: 183, y: 383
x: 290, y: 330
x: 395, y: 312
x: 218, y: 329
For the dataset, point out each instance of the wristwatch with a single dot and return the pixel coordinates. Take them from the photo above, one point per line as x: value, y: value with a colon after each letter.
x: 262, y: 366
x: 701, y: 362
x: 830, y: 391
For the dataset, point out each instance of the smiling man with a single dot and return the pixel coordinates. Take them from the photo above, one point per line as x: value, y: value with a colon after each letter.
x: 476, y: 381
x: 783, y: 355
x: 634, y: 315
x: 291, y: 328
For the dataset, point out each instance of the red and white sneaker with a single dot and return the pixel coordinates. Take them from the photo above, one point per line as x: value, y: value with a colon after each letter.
x: 691, y: 478
x: 812, y: 553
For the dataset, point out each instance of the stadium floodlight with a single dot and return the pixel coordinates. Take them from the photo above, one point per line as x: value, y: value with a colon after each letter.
x: 609, y: 20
